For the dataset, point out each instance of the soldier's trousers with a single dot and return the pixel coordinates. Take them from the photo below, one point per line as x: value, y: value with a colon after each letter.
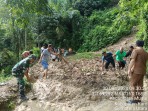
x: 21, y: 86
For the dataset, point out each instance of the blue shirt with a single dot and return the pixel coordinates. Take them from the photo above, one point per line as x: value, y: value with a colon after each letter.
x: 108, y: 57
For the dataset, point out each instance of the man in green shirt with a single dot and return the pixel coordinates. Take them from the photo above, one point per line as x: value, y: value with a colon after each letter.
x: 21, y: 69
x: 120, y: 54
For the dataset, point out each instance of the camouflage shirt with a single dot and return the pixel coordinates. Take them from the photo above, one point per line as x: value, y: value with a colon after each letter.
x: 21, y: 67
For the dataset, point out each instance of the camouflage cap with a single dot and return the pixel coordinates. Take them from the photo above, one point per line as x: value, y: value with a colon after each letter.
x: 32, y: 56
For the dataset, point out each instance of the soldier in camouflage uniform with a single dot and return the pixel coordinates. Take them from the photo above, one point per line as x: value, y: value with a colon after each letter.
x: 21, y: 69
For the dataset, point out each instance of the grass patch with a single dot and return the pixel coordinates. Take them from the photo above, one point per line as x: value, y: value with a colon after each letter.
x: 8, y: 105
x: 84, y: 55
x: 11, y: 105
x: 4, y: 78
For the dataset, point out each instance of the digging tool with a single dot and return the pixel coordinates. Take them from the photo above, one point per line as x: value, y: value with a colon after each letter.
x: 62, y: 58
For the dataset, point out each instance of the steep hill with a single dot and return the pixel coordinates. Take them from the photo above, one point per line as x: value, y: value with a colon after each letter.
x: 80, y: 86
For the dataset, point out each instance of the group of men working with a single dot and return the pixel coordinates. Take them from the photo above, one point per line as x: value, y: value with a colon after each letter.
x: 53, y: 56
x: 136, y: 70
x: 21, y: 69
x: 108, y: 58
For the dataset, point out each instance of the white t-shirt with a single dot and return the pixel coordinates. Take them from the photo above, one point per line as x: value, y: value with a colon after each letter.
x: 53, y: 56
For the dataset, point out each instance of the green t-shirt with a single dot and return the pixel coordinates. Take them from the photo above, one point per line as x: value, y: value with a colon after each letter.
x: 120, y: 56
x: 21, y: 66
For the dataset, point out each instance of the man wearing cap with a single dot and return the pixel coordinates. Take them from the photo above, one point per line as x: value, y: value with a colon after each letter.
x: 136, y: 71
x: 108, y: 59
x: 21, y: 69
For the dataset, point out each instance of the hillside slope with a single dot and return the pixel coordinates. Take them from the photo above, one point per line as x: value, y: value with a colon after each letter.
x: 78, y: 89
x: 82, y: 87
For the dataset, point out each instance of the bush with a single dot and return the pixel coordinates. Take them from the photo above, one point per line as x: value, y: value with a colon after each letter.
x: 4, y: 77
x: 36, y: 51
x: 101, y: 30
x: 84, y: 55
x: 7, y: 60
x: 86, y: 7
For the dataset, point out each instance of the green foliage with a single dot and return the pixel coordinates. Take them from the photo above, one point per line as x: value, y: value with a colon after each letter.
x: 84, y: 25
x: 57, y: 22
x: 136, y: 12
x: 107, y: 27
x: 4, y: 77
x: 102, y: 30
x: 11, y: 105
x: 84, y: 55
x: 36, y: 51
x: 7, y: 60
x: 143, y: 26
x: 86, y: 7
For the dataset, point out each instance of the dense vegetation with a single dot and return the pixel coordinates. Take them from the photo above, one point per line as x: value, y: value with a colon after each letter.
x: 84, y: 25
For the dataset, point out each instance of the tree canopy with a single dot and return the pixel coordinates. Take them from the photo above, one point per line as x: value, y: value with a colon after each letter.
x: 84, y: 25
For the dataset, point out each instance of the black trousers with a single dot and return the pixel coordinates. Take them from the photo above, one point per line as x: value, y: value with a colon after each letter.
x: 121, y: 64
x: 108, y: 63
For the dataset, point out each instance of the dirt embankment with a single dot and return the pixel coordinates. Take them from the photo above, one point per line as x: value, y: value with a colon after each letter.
x: 71, y: 88
x: 8, y: 92
x: 81, y: 86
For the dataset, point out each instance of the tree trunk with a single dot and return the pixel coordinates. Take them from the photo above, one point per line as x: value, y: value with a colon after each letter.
x: 25, y: 39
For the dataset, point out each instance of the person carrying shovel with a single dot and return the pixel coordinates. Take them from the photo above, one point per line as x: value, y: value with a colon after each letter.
x: 20, y: 70
x: 60, y: 56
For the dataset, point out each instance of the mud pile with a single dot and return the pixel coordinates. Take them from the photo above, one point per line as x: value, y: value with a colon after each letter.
x: 70, y: 87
